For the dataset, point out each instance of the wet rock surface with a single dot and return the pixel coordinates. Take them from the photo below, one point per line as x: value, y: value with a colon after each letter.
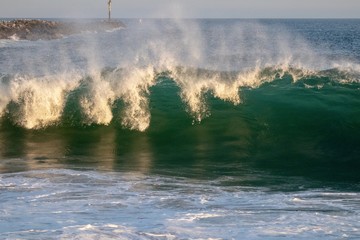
x: 32, y: 29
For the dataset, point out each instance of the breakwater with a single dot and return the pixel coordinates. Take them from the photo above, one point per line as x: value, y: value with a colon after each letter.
x: 33, y: 29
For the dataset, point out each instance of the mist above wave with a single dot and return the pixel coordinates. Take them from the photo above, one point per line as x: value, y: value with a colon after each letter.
x: 90, y: 74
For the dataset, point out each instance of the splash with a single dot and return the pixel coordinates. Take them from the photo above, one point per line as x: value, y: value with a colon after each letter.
x: 107, y: 78
x: 35, y: 102
x: 133, y: 89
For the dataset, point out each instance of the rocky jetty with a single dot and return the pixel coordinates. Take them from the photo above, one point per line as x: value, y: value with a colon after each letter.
x: 46, y: 30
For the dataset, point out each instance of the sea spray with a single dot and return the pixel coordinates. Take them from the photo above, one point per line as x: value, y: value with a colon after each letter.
x: 97, y: 140
x: 200, y: 60
x: 132, y: 86
x: 41, y: 102
x: 96, y: 101
x: 35, y: 102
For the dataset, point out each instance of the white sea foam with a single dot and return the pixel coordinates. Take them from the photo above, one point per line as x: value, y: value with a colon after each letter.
x: 132, y: 86
x: 76, y: 204
x: 219, y: 61
x: 40, y: 101
x: 96, y: 103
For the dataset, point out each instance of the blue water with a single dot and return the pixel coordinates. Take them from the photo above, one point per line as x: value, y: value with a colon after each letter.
x: 183, y: 129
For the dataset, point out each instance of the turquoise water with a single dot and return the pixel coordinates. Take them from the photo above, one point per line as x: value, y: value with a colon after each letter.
x: 180, y: 129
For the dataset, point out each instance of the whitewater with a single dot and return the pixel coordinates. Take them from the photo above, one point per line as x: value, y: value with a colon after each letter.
x: 183, y: 129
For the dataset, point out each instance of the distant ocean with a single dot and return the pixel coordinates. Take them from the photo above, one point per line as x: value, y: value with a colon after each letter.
x: 183, y: 129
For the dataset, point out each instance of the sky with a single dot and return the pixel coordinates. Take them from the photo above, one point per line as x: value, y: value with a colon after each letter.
x: 181, y: 8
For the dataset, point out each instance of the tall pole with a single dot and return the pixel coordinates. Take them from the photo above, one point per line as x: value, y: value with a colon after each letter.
x: 109, y: 8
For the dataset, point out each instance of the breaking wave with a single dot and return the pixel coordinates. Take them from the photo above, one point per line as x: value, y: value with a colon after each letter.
x: 123, y: 95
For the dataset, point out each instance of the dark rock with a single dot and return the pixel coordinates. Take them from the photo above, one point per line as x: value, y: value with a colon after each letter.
x: 47, y: 30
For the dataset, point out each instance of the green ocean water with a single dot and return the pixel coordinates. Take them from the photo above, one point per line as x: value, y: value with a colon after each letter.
x: 304, y: 128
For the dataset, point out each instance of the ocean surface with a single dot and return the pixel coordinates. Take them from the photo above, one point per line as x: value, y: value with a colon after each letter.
x: 183, y: 129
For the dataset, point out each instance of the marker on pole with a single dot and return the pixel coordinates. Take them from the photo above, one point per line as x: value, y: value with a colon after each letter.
x: 109, y: 8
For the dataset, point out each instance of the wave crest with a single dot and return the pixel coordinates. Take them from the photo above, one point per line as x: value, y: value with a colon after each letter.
x: 123, y: 94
